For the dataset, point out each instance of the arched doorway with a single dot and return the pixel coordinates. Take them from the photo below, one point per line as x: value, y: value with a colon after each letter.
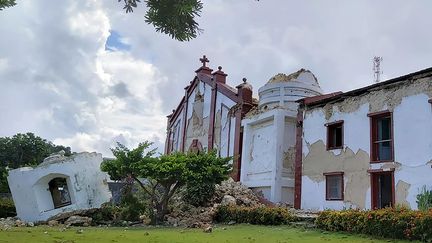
x: 59, y: 192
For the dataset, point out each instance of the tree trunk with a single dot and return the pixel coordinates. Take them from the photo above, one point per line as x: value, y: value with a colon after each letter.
x: 161, y: 211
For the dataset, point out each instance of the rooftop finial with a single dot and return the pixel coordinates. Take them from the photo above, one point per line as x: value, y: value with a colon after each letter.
x: 244, y: 80
x: 377, y: 68
x: 203, y: 60
x: 220, y: 68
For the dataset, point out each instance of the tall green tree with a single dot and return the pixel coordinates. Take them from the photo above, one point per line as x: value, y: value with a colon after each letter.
x: 27, y: 150
x: 161, y: 177
x: 24, y: 150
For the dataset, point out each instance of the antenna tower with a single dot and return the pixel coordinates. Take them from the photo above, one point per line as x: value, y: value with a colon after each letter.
x: 377, y: 68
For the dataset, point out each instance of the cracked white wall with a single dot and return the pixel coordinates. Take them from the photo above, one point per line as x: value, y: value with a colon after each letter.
x: 269, y: 135
x: 87, y: 186
x: 412, y: 119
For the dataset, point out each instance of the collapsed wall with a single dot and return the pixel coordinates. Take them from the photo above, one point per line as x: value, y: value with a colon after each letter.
x: 59, y: 184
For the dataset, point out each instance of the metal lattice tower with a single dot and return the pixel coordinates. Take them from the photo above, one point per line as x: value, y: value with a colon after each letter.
x: 377, y: 68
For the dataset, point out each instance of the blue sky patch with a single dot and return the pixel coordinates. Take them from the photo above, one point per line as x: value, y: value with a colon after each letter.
x: 115, y: 42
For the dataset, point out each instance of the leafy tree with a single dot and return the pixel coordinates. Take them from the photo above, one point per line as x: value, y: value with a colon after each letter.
x: 6, y: 4
x: 24, y: 150
x: 175, y: 18
x: 166, y: 174
x: 27, y: 150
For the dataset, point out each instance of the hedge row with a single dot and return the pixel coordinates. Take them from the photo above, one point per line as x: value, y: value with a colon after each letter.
x: 396, y: 223
x: 7, y: 208
x: 254, y: 215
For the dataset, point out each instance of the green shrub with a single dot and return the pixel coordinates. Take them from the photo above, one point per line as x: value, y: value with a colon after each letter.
x: 397, y: 223
x: 107, y: 213
x: 131, y: 207
x: 254, y: 215
x: 424, y: 199
x: 198, y: 194
x: 7, y: 208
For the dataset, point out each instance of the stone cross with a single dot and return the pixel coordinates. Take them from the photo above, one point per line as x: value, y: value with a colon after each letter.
x: 204, y: 59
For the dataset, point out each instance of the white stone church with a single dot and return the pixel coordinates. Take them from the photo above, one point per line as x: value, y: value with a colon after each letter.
x: 366, y: 148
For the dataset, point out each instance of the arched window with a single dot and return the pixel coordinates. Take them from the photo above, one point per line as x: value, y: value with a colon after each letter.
x: 59, y: 192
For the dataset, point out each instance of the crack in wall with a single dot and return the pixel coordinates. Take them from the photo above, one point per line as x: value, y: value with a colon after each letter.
x: 289, y: 160
x: 354, y: 166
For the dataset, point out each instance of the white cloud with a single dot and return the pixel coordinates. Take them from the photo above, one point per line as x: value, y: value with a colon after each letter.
x: 65, y: 87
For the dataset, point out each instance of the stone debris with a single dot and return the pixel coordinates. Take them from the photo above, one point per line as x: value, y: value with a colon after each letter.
x: 242, y: 194
x: 19, y: 223
x: 7, y: 223
x: 208, y: 229
x: 53, y: 223
x: 78, y: 221
x: 228, y: 200
x: 62, y: 217
x: 228, y: 192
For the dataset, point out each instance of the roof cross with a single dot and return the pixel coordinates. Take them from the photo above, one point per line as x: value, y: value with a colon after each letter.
x: 204, y: 59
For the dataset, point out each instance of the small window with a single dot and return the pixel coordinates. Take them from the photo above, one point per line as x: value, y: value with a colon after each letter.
x: 334, y: 135
x: 334, y: 186
x: 382, y: 137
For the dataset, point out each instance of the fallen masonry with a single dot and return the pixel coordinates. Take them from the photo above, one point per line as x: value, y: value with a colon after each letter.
x: 60, y: 184
x: 182, y: 215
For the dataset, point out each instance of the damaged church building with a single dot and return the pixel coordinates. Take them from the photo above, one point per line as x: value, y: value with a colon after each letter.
x: 59, y: 184
x: 366, y: 148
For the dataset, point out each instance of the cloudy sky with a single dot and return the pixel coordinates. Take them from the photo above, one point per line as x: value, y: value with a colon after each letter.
x: 82, y: 73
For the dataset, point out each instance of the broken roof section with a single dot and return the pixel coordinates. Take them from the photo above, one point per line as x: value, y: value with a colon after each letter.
x: 339, y: 96
x: 303, y: 76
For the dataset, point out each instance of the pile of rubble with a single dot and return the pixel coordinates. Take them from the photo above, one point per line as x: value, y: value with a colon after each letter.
x: 227, y: 193
x: 7, y: 223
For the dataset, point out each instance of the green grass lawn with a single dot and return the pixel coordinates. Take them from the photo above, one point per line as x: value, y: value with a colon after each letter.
x: 221, y: 233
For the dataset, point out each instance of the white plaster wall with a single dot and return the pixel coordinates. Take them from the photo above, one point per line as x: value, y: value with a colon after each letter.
x: 413, y: 144
x: 412, y: 120
x: 261, y: 155
x: 267, y: 136
x: 225, y: 131
x: 313, y: 196
x: 86, y: 183
x: 206, y: 90
x: 270, y: 135
x: 289, y: 142
x: 414, y: 131
x: 232, y: 136
x: 356, y: 128
x: 177, y: 131
x: 190, y: 102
